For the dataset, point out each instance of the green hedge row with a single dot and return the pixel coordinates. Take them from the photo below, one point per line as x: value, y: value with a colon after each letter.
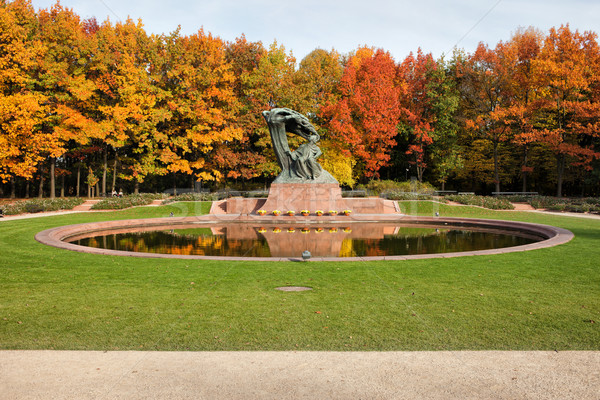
x: 131, y: 200
x: 493, y: 203
x: 581, y: 205
x: 41, y: 205
x: 192, y: 197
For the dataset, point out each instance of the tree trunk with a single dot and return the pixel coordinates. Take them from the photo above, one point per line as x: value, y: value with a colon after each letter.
x: 52, y: 178
x: 525, y: 170
x: 27, y: 184
x: 114, y: 180
x: 174, y: 184
x: 443, y: 185
x: 105, y: 165
x: 89, y: 191
x: 136, y: 189
x: 62, y: 186
x: 560, y: 169
x: 78, y: 180
x: 97, y: 193
x: 41, y: 188
x: 13, y: 187
x: 496, y: 172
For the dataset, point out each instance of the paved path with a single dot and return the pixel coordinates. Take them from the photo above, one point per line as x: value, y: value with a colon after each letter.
x: 299, y: 375
x: 86, y: 206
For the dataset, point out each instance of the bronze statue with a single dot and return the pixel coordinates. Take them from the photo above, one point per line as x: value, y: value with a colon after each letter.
x: 299, y: 166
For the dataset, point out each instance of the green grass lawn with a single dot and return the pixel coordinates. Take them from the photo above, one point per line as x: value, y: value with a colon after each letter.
x: 539, y: 300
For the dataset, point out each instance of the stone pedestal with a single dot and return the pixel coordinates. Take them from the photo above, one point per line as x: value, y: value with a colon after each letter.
x: 303, y: 196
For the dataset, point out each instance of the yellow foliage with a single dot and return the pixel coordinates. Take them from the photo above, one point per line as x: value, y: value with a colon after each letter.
x: 339, y: 166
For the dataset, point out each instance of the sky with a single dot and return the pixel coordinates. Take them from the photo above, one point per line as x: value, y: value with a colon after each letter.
x: 400, y: 27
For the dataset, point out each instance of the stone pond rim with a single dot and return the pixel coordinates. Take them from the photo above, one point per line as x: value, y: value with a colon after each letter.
x: 551, y: 236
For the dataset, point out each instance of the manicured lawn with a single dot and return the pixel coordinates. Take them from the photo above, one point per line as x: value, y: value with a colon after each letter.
x: 538, y: 300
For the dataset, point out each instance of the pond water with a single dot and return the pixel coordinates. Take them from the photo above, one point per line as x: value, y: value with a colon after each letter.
x: 354, y: 240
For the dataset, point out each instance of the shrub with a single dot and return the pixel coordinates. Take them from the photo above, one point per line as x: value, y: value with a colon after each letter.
x: 377, y: 187
x: 581, y: 205
x: 399, y: 195
x: 493, y: 203
x: 192, y: 197
x: 41, y: 205
x: 257, y: 194
x: 131, y: 200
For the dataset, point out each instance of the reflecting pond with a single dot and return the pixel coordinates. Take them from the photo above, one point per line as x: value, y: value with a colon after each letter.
x: 354, y: 240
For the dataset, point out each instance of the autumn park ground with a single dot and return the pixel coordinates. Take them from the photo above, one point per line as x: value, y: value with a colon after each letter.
x: 514, y: 325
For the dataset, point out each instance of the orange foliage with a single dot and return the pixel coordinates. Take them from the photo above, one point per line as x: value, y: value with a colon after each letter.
x: 363, y: 121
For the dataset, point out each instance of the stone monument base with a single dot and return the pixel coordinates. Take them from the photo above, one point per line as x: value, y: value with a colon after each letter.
x: 305, y: 196
x: 312, y: 197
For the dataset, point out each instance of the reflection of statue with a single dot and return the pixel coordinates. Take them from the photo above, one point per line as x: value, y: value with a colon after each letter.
x: 299, y: 166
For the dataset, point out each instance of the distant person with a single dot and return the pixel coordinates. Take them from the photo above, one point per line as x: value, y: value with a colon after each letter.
x: 114, y: 193
x: 120, y: 192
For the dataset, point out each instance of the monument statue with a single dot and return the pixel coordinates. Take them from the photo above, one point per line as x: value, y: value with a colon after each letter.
x: 299, y: 166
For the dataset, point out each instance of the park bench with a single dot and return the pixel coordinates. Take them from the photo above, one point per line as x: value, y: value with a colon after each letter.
x: 466, y: 193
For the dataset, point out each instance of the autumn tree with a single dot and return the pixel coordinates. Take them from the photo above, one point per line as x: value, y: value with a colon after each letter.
x: 128, y: 114
x: 243, y: 157
x: 483, y: 85
x: 269, y: 85
x: 568, y: 68
x: 317, y: 80
x: 418, y: 117
x: 444, y: 100
x: 364, y: 119
x: 64, y: 81
x: 520, y: 52
x: 198, y: 83
x: 22, y: 143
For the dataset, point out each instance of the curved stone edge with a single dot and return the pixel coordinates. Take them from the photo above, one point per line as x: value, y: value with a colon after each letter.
x: 554, y: 235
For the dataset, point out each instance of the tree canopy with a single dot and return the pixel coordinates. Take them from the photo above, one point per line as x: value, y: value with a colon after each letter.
x: 157, y: 111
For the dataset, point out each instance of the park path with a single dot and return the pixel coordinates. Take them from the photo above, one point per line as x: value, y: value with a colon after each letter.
x: 86, y: 206
x: 300, y: 375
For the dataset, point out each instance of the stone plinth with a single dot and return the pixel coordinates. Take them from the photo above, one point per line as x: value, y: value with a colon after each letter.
x: 239, y: 205
x: 305, y: 196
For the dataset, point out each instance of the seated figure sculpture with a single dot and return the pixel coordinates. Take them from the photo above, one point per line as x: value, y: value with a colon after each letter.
x: 304, y: 159
x: 299, y: 166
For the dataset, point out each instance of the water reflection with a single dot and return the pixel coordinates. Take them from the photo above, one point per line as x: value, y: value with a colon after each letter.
x: 243, y: 240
